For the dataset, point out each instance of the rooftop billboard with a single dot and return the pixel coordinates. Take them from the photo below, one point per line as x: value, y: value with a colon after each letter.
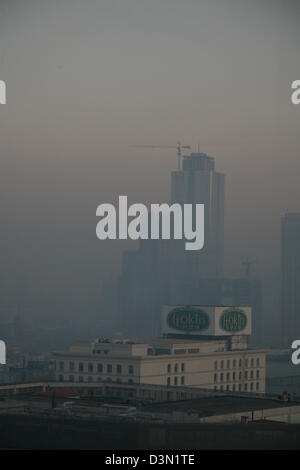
x: 198, y: 320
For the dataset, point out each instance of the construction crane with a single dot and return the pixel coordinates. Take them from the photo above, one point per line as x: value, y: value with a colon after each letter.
x: 179, y: 148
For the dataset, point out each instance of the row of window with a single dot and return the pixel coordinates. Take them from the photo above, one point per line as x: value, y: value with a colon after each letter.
x: 234, y: 362
x: 176, y: 368
x: 247, y: 374
x: 92, y: 367
x: 239, y: 387
x: 175, y: 380
x: 81, y: 378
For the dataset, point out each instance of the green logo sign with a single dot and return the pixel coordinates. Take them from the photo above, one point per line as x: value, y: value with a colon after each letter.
x: 233, y: 320
x: 188, y: 319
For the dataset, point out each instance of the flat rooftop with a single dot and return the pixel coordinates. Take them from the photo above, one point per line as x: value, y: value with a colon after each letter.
x: 210, y: 406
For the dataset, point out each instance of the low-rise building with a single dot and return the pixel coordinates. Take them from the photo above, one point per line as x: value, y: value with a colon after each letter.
x: 205, y: 364
x: 205, y: 347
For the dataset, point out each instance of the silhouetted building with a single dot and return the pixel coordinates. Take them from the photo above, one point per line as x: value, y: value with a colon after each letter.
x: 198, y: 183
x: 142, y: 291
x: 149, y: 275
x: 290, y: 277
x: 163, y: 272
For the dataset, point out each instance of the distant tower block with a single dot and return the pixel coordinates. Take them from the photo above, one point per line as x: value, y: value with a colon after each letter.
x: 198, y: 183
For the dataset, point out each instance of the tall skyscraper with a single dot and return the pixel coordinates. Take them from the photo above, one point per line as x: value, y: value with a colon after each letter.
x: 163, y: 272
x: 149, y: 275
x: 198, y: 182
x: 290, y: 277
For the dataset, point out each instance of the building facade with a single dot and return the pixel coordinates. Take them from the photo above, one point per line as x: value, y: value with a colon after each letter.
x: 208, y: 364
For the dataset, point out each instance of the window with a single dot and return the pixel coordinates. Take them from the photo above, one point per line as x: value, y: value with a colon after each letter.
x: 182, y: 380
x: 228, y: 376
x: 71, y: 378
x: 240, y: 376
x: 108, y: 379
x: 81, y: 367
x: 251, y: 374
x: 233, y: 375
x: 228, y: 364
x: 257, y: 374
x: 257, y: 385
x: 99, y: 379
x: 233, y: 387
x: 240, y: 363
x: 71, y: 365
x: 130, y: 381
x: 234, y: 363
x: 251, y: 386
x: 176, y: 368
x: 221, y: 388
x: 222, y: 364
x: 215, y: 388
x: 215, y: 378
x: 179, y: 351
x: 245, y: 387
x: 252, y: 362
x: 99, y: 367
x: 119, y: 369
x: 130, y: 369
x: 221, y: 377
x: 80, y: 378
x: 227, y: 388
x: 246, y: 374
x: 168, y: 381
x: 90, y: 379
x: 240, y: 387
x: 216, y: 365
x: 246, y: 362
x: 90, y: 367
x: 175, y: 380
x: 119, y: 381
x: 61, y: 365
x: 61, y: 378
x: 193, y: 351
x: 182, y: 367
x: 109, y: 368
x: 169, y: 368
x: 257, y: 362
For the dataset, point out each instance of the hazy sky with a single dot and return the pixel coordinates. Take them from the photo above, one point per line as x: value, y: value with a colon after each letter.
x: 88, y: 79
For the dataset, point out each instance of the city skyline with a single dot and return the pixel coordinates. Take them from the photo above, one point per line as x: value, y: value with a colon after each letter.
x: 150, y: 227
x: 84, y: 89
